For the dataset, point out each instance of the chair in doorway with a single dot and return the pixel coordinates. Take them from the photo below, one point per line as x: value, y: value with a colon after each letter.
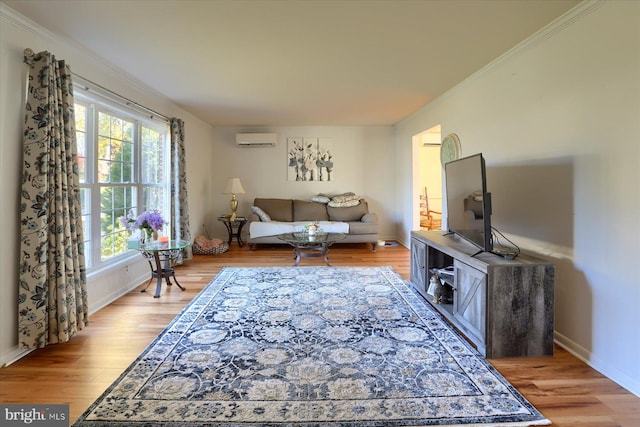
x: 429, y: 219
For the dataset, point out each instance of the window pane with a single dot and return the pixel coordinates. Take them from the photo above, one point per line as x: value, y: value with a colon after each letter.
x: 115, y: 149
x: 115, y: 202
x: 80, y: 117
x: 103, y: 155
x: 82, y: 158
x: 116, y: 128
x: 153, y: 157
x: 81, y: 140
x: 127, y: 162
x: 106, y: 209
x: 129, y: 200
x: 154, y: 197
x: 104, y: 121
x: 127, y: 132
x: 85, y: 204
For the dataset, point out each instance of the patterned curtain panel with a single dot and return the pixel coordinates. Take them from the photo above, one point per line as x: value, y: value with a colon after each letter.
x: 52, y: 295
x: 179, y: 205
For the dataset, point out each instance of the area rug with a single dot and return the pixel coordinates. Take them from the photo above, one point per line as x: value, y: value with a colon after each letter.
x: 310, y: 346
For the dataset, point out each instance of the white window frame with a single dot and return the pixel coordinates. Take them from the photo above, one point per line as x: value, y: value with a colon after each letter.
x: 95, y: 104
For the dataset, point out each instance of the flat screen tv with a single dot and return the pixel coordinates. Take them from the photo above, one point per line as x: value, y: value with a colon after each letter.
x: 468, y: 202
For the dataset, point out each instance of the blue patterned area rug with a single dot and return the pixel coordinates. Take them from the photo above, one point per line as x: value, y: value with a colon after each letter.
x: 310, y: 346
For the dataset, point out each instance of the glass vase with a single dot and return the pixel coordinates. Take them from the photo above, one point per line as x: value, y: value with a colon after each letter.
x: 146, y: 236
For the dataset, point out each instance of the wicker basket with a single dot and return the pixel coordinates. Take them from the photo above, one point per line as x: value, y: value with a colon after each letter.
x: 216, y: 250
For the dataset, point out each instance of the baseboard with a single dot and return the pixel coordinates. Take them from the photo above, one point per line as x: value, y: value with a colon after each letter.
x: 13, y: 355
x: 403, y: 243
x: 95, y: 306
x: 631, y: 384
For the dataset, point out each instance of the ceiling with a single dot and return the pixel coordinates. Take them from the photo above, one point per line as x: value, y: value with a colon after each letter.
x: 292, y: 62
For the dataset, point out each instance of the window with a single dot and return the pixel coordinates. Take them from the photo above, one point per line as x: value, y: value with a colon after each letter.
x: 123, y: 160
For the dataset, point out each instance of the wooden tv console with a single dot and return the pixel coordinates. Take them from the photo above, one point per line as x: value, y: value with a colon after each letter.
x: 503, y: 307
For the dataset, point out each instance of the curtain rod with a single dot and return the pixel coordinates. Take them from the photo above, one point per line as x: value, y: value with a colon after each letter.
x: 86, y: 83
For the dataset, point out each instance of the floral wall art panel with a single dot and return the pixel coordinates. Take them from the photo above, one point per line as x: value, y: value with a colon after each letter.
x: 309, y: 159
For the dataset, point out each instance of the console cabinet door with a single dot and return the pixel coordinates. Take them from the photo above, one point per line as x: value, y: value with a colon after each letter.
x: 419, y: 265
x: 470, y: 302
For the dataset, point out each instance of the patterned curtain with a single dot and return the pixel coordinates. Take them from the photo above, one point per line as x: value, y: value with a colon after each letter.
x: 52, y: 295
x: 179, y: 206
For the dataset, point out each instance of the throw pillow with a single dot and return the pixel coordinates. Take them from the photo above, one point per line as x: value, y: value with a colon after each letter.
x: 347, y: 197
x: 320, y: 199
x: 348, y: 193
x: 344, y: 204
x: 264, y: 217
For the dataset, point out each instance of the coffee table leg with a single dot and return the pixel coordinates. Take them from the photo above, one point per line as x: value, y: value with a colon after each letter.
x: 325, y: 251
x: 296, y: 251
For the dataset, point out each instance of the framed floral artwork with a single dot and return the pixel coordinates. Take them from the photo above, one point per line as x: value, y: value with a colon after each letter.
x: 309, y: 159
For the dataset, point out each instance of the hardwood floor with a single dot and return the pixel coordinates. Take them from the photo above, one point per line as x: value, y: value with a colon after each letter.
x: 564, y: 389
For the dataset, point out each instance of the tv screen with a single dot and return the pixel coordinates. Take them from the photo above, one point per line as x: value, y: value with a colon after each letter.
x: 468, y: 202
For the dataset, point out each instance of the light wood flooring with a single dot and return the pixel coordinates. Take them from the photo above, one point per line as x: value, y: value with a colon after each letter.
x: 564, y: 389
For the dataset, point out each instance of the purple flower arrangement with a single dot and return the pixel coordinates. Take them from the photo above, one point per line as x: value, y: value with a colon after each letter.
x: 150, y: 220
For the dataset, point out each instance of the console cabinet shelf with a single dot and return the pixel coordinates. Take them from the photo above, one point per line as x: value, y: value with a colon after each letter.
x: 503, y: 307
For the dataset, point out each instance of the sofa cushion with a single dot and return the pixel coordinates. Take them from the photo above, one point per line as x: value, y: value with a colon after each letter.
x: 309, y: 211
x: 353, y: 213
x: 277, y: 209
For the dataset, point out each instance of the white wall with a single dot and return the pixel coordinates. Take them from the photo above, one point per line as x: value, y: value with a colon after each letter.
x: 16, y: 34
x: 363, y: 165
x: 558, y: 121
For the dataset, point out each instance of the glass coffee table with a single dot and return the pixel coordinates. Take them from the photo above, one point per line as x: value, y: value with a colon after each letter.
x: 307, y: 245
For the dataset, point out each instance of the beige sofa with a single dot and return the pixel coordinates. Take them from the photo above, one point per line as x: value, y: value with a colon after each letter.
x: 288, y: 215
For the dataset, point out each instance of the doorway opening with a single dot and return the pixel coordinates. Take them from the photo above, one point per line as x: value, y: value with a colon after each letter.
x: 427, y: 180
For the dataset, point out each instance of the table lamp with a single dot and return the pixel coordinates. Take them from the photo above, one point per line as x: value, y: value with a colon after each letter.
x: 233, y: 187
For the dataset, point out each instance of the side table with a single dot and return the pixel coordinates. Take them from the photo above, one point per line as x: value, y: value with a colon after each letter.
x: 234, y: 228
x: 161, y: 257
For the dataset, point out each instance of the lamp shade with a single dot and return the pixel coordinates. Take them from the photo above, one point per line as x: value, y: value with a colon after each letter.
x: 234, y: 186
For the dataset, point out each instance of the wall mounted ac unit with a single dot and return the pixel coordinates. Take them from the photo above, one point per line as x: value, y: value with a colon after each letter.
x: 256, y: 139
